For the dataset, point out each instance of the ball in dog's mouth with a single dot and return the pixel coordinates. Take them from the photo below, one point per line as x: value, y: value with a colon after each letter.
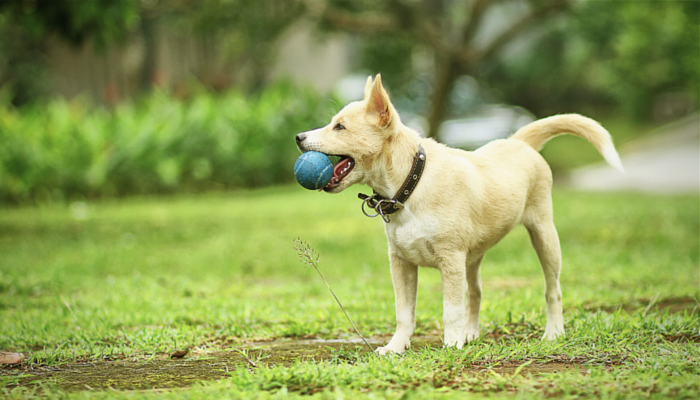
x: 340, y: 170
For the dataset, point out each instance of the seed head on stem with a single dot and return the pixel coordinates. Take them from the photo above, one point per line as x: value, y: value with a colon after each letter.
x: 308, y: 256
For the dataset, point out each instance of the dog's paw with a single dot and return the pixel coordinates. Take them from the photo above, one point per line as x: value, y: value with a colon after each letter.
x: 552, y: 334
x: 472, y: 335
x: 456, y: 345
x: 389, y: 349
x: 454, y: 338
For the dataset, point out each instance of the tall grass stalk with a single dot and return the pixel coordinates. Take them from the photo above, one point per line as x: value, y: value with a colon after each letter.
x: 308, y: 256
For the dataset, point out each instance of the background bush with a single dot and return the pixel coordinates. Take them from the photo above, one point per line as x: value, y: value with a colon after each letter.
x: 70, y: 149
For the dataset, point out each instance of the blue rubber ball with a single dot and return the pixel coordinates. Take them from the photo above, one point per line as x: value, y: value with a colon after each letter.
x: 313, y: 170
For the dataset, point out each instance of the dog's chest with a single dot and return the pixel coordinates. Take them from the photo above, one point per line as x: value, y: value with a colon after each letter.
x: 412, y: 239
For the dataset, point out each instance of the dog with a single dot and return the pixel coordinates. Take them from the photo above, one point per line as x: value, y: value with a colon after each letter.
x: 459, y: 205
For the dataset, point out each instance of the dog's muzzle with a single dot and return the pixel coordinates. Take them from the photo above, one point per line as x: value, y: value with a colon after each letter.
x: 300, y: 139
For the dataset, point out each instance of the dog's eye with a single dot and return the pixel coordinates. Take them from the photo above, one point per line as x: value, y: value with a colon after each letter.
x: 338, y: 127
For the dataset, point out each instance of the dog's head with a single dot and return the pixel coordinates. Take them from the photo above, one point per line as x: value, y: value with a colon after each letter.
x: 357, y: 134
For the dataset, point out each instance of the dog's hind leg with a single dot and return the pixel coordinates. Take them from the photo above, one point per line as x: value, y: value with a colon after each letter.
x: 473, y: 298
x: 545, y: 240
x: 404, y: 275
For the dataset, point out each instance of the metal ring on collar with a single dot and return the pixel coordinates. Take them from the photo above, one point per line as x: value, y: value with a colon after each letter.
x: 366, y: 201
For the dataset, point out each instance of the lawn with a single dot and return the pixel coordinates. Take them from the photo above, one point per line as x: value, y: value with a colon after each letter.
x: 129, y: 281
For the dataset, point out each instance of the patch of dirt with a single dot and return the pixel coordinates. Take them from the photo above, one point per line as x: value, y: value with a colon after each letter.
x: 164, y: 372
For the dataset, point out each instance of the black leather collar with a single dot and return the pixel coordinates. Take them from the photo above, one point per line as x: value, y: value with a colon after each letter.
x: 384, y: 206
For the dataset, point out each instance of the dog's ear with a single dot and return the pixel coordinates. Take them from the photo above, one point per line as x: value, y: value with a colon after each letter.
x: 378, y: 104
x: 368, y: 87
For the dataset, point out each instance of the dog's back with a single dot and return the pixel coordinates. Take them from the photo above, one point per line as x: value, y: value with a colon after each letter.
x: 511, y: 179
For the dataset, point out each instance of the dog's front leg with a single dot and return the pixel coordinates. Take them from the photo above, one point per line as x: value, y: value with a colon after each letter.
x: 404, y: 275
x: 454, y: 277
x: 473, y: 298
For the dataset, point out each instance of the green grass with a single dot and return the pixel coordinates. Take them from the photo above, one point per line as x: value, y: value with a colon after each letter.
x: 132, y: 278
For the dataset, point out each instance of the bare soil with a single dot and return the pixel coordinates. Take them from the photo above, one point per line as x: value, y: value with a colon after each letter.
x: 163, y: 372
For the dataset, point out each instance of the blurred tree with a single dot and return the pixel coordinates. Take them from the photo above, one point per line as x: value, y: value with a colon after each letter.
x: 452, y: 30
x: 242, y: 32
x: 245, y: 31
x: 626, y: 56
x: 104, y: 20
x: 642, y: 49
x: 25, y: 26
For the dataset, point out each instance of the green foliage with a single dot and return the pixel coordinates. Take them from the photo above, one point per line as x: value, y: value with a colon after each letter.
x: 259, y: 22
x: 27, y: 25
x: 106, y: 20
x: 390, y: 56
x: 619, y: 56
x: 158, y: 144
x: 245, y: 31
x: 641, y: 50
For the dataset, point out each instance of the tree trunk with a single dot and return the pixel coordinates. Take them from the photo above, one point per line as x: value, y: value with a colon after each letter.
x: 447, y: 72
x: 148, y: 66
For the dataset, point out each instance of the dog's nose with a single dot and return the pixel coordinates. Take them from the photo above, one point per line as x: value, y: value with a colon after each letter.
x: 301, y: 137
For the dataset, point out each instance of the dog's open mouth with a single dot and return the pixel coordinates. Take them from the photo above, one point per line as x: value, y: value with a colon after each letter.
x: 341, y: 169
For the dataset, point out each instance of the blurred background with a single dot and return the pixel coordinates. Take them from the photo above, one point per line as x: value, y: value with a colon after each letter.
x: 110, y: 98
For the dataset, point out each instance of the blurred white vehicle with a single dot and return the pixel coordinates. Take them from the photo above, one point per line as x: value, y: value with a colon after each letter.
x: 489, y: 123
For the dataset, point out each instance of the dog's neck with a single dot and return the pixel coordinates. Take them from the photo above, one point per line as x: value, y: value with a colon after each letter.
x: 396, y: 162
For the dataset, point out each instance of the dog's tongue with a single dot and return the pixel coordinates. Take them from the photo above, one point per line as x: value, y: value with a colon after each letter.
x: 342, y: 167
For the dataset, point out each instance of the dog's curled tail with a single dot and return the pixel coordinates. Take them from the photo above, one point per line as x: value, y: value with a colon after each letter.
x: 537, y: 133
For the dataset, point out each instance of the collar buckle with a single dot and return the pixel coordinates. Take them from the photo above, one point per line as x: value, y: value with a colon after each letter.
x: 384, y: 206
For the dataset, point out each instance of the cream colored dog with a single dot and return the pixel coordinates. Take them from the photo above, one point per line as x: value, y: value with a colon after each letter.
x: 464, y: 203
